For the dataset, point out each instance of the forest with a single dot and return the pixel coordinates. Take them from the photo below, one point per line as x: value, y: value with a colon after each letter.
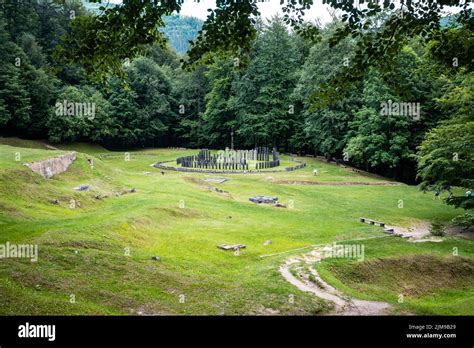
x: 267, y: 100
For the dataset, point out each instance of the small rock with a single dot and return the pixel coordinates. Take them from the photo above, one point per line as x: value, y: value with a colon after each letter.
x: 267, y: 242
x: 82, y: 188
x: 55, y: 201
x: 231, y: 247
x: 264, y: 199
x: 132, y: 190
x: 155, y: 258
x: 98, y: 197
x: 216, y: 180
x: 146, y: 173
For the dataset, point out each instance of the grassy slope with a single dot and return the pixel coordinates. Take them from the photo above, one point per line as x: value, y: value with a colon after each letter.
x: 431, y: 280
x: 82, y: 250
x: 17, y: 142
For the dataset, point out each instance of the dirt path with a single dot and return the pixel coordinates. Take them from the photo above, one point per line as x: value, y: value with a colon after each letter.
x: 307, y: 278
x: 418, y: 233
x: 47, y: 145
x: 312, y: 282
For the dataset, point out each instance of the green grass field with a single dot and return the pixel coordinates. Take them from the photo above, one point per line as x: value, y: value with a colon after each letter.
x: 101, y: 251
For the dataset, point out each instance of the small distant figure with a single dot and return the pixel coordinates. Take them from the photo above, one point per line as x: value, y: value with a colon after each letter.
x: 468, y: 194
x: 437, y: 192
x: 315, y: 172
x: 162, y: 173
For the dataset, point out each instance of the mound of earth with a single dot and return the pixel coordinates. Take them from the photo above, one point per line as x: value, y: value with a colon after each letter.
x: 411, y: 275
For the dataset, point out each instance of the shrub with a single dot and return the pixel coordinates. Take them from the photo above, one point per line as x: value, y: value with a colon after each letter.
x: 466, y: 221
x: 438, y: 229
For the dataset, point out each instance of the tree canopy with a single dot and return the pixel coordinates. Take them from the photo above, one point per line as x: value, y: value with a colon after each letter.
x: 120, y: 32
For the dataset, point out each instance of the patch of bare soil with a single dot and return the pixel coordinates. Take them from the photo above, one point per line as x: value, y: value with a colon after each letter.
x: 183, y: 212
x: 49, y: 147
x: 460, y: 232
x: 196, y: 181
x: 414, y: 233
x: 262, y: 310
x: 420, y: 232
x: 335, y: 183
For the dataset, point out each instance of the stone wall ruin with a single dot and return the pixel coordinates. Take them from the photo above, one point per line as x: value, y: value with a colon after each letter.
x: 52, y: 166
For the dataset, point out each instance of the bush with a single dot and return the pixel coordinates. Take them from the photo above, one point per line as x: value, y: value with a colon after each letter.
x: 466, y: 221
x: 438, y: 229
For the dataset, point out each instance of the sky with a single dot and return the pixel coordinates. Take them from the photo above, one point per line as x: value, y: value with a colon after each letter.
x: 267, y: 9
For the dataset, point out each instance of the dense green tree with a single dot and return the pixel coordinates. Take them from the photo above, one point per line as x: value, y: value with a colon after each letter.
x: 14, y: 99
x: 378, y: 140
x: 263, y: 93
x: 446, y: 156
x: 219, y: 118
x: 79, y: 114
x: 190, y: 90
x: 33, y: 50
x: 326, y: 129
x: 153, y: 96
x: 42, y: 89
x: 127, y: 115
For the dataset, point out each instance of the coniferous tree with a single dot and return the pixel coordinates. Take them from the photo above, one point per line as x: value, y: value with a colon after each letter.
x: 263, y: 93
x: 14, y: 100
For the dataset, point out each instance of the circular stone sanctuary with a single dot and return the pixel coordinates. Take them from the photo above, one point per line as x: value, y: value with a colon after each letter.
x: 230, y: 161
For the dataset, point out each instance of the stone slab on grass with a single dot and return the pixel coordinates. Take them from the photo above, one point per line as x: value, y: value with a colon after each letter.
x: 216, y: 180
x: 264, y: 199
x: 231, y: 246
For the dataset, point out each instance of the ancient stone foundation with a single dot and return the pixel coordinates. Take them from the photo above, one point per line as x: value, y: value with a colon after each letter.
x: 52, y: 166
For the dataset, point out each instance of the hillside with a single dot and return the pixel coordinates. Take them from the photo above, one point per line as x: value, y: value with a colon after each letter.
x: 179, y: 29
x: 101, y: 250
